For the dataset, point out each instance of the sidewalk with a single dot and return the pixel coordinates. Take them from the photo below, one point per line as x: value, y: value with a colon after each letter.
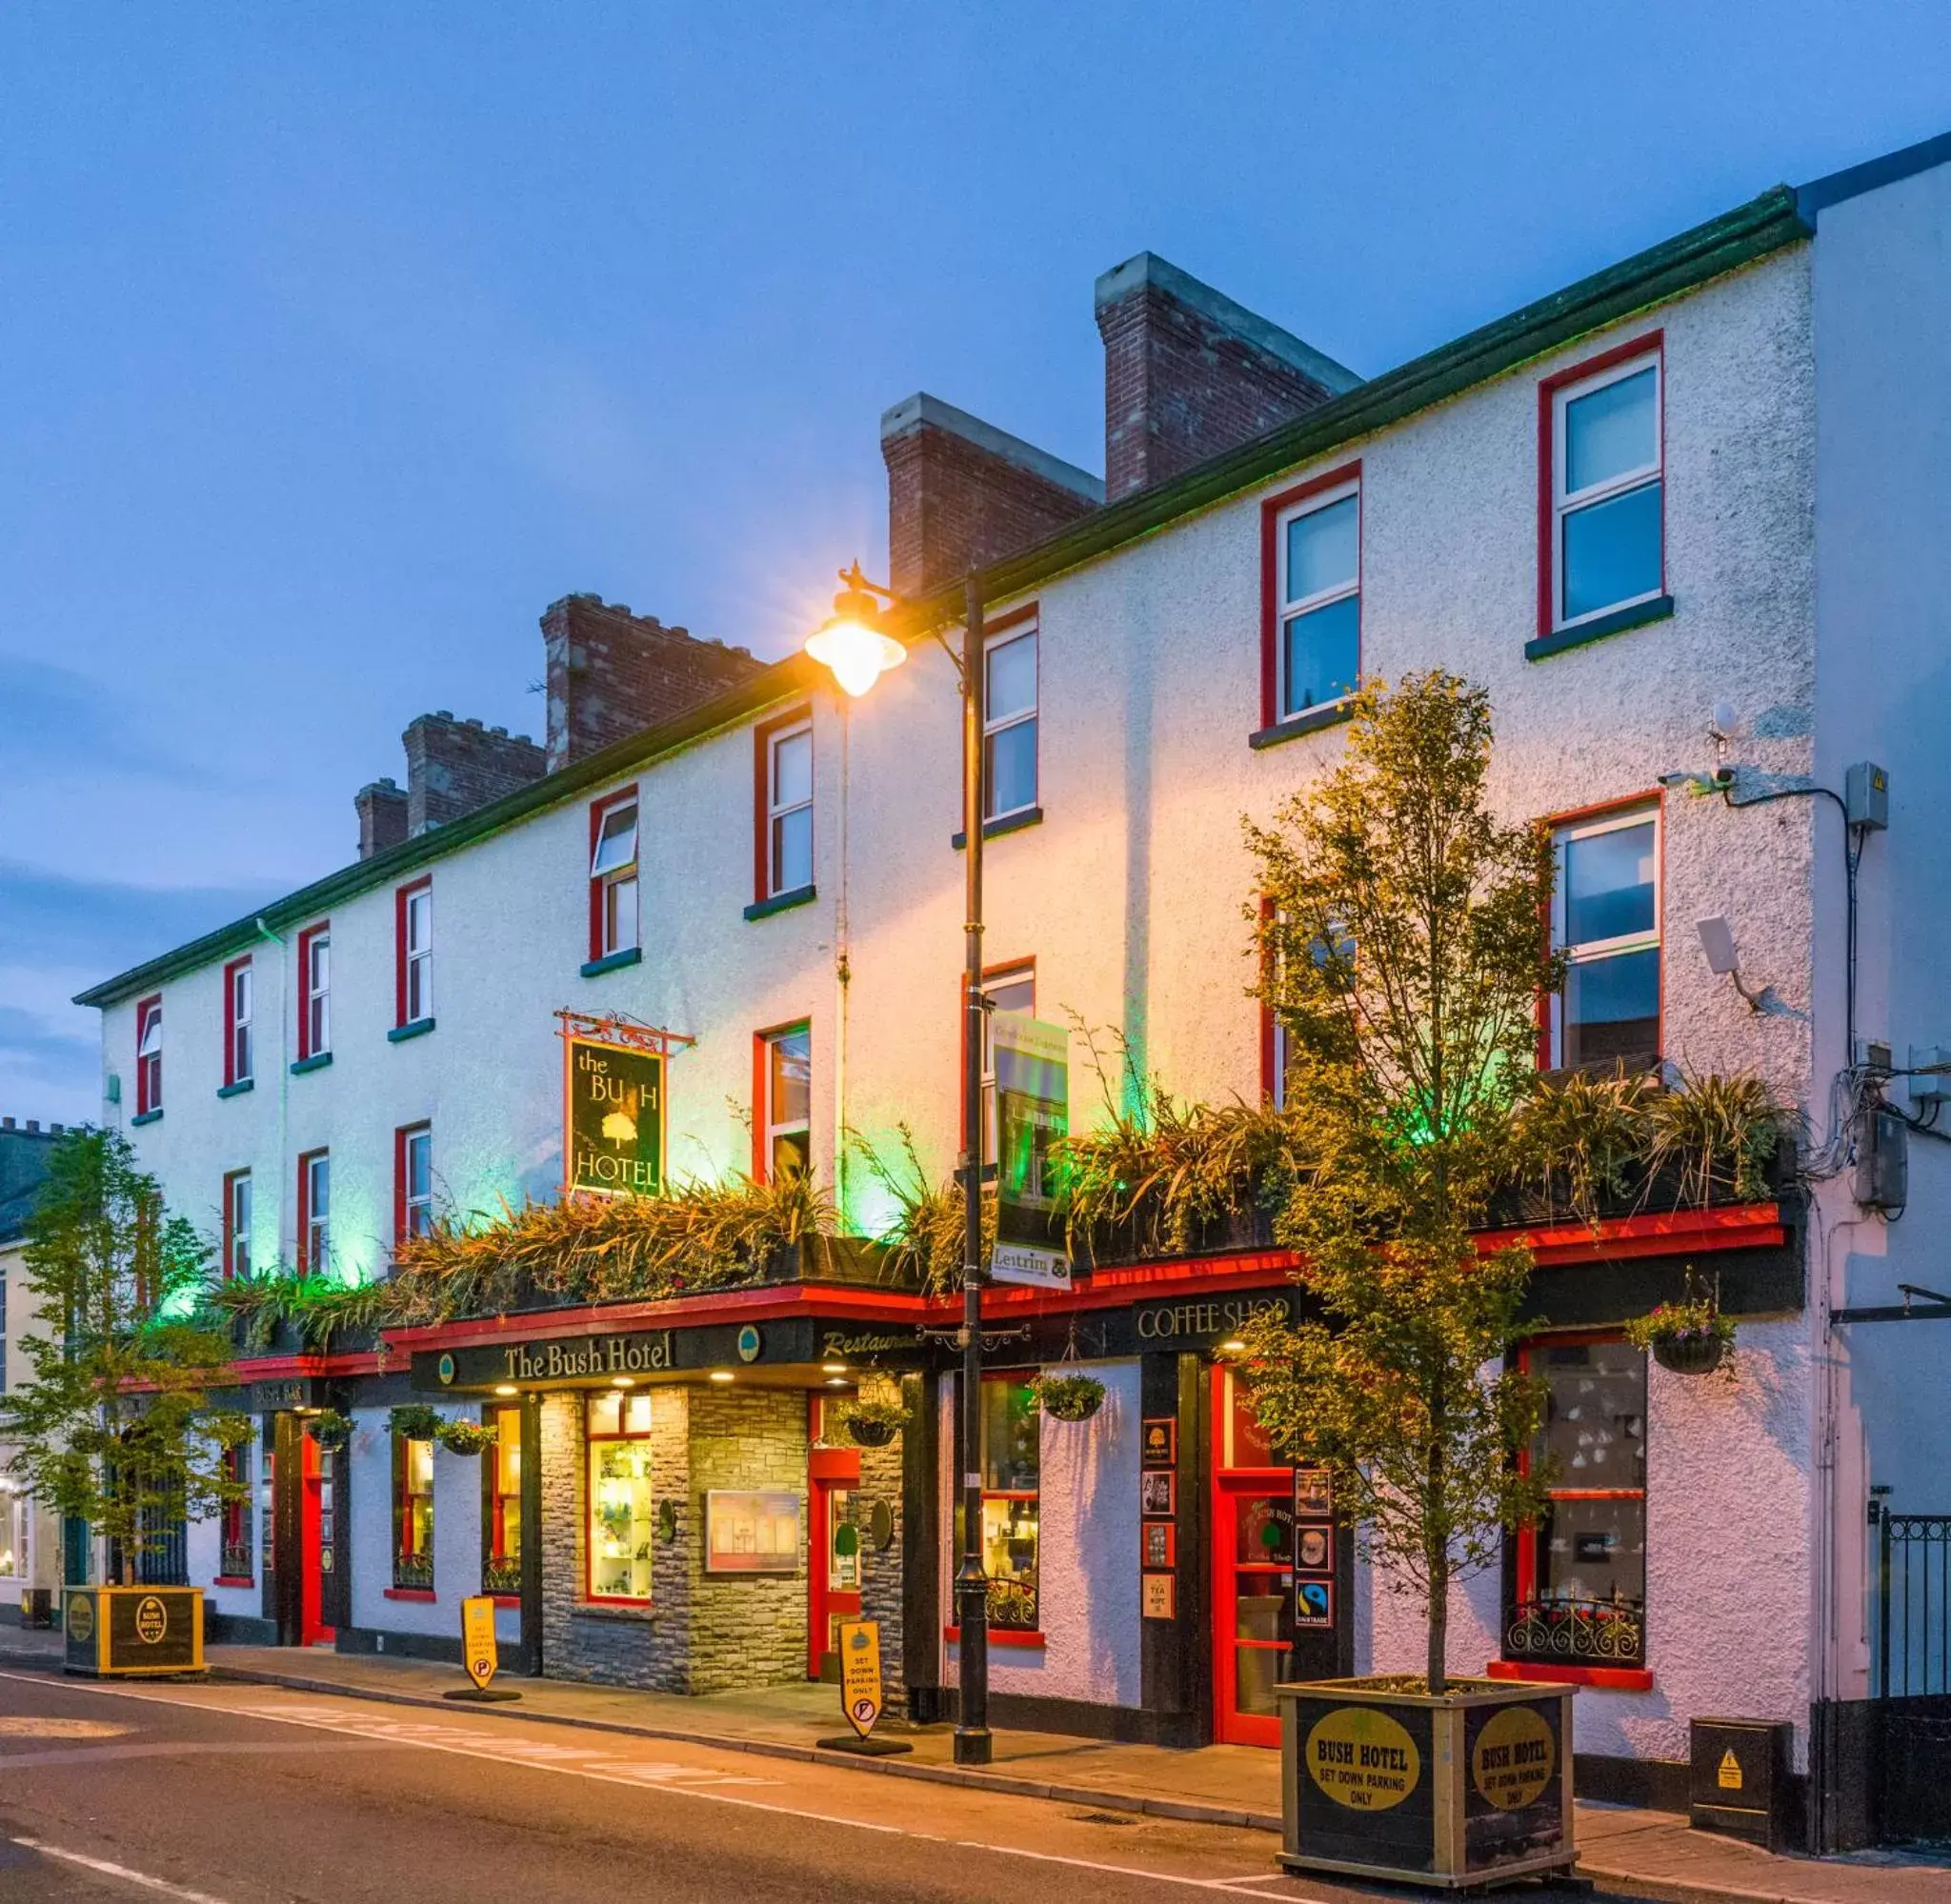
x: 1650, y: 1854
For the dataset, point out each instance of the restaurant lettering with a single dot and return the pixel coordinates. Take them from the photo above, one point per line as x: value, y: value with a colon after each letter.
x: 1182, y: 1321
x: 837, y: 1344
x: 604, y: 1355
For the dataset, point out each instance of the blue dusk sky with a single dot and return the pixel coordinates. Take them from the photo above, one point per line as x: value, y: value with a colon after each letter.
x: 340, y: 340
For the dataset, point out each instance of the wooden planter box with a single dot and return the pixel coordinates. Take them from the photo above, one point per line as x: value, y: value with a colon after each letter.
x: 131, y: 1632
x: 1469, y: 1788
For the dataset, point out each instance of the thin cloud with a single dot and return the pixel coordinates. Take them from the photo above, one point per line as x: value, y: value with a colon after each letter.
x: 53, y: 720
x: 104, y: 926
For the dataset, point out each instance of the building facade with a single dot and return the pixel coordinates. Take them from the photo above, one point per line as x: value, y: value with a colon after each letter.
x: 31, y: 1558
x: 1665, y: 516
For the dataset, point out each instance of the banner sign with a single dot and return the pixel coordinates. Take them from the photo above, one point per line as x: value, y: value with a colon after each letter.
x: 614, y: 1145
x: 1033, y: 1114
x: 860, y: 1686
x: 477, y: 1639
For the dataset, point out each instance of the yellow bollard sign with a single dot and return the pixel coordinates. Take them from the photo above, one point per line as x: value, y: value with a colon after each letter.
x: 860, y: 1687
x: 477, y: 1639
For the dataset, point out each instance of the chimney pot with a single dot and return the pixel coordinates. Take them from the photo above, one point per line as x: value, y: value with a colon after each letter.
x: 34, y: 1123
x: 382, y: 809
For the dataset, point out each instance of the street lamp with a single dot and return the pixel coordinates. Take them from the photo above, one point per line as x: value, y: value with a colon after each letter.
x: 858, y: 650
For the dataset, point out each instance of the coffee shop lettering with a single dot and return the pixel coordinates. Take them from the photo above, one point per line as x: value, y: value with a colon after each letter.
x: 712, y: 925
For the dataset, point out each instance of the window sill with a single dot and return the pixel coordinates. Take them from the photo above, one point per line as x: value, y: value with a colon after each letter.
x: 1333, y: 714
x: 637, y: 1610
x: 155, y: 1117
x: 238, y: 1089
x: 505, y: 1599
x: 1000, y: 1635
x: 1006, y: 823
x: 317, y: 1061
x: 400, y: 1033
x: 613, y: 961
x: 233, y: 1580
x: 1618, y: 622
x: 425, y: 1596
x: 1602, y: 1678
x: 782, y: 902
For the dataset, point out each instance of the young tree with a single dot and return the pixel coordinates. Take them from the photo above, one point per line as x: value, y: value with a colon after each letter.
x: 115, y: 1426
x: 1403, y: 949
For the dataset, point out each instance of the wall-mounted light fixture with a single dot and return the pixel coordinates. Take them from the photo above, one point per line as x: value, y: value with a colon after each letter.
x: 1717, y: 941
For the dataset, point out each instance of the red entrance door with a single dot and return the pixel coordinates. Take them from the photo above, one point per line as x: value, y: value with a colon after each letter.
x: 834, y: 1582
x: 315, y: 1542
x: 1253, y: 1573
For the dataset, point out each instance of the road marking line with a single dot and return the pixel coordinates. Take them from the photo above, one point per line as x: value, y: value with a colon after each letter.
x: 492, y: 1746
x: 102, y: 1866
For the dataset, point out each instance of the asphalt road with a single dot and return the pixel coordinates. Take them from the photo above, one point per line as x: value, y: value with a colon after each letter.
x: 249, y: 1795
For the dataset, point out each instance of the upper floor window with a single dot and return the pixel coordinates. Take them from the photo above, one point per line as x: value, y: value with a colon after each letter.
x: 414, y: 1175
x: 788, y: 771
x: 612, y: 875
x: 1606, y: 918
x: 149, y: 1056
x: 237, y: 1022
x: 236, y: 1224
x: 1006, y: 989
x: 1320, y: 600
x: 1009, y: 725
x: 413, y: 932
x: 315, y: 1212
x: 1606, y: 489
x: 315, y: 991
x: 785, y: 1107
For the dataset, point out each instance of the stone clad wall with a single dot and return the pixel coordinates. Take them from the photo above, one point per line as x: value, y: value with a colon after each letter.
x: 881, y: 1577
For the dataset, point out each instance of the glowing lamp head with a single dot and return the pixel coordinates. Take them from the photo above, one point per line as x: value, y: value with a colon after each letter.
x: 850, y: 642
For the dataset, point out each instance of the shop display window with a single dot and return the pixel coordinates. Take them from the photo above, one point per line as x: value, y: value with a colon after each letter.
x: 412, y: 1515
x: 1010, y: 1462
x: 501, y: 1504
x: 622, y: 1527
x: 239, y: 1546
x: 1580, y: 1579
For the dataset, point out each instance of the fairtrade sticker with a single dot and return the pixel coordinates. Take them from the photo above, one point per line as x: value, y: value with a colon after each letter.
x: 1515, y: 1759
x: 1361, y: 1759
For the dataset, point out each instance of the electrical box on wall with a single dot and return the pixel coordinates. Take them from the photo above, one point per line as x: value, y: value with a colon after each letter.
x: 1866, y: 796
x: 1934, y: 1087
x: 1882, y: 1159
x: 114, y: 1090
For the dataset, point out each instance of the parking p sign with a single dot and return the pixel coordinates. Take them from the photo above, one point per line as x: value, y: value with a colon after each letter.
x: 860, y: 1687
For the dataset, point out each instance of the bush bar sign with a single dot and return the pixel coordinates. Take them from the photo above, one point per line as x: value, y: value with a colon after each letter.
x: 860, y: 1688
x: 1032, y: 1116
x: 615, y: 1140
x: 477, y: 1639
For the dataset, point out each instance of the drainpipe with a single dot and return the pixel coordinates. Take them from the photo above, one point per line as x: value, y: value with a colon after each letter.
x: 284, y: 1083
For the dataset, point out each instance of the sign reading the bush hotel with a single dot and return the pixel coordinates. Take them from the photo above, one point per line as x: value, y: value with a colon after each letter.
x: 615, y: 1136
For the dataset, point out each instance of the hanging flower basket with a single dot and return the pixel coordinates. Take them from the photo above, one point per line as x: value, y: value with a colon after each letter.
x: 1070, y: 1397
x: 466, y: 1437
x: 1688, y: 1338
x: 1689, y: 1354
x: 330, y: 1429
x: 416, y: 1421
x: 873, y: 1424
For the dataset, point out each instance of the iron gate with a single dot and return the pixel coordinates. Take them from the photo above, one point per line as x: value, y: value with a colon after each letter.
x: 1913, y: 1677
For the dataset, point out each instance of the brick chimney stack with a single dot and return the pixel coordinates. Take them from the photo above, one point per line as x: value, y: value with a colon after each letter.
x: 962, y: 494
x: 1189, y: 374
x: 612, y: 673
x: 382, y: 809
x: 453, y: 767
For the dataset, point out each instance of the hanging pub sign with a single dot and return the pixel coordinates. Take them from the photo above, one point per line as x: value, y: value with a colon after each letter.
x: 615, y: 1140
x: 1032, y: 1116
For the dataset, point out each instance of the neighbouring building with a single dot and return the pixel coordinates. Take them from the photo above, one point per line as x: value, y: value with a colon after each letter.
x: 29, y: 1535
x: 1684, y: 520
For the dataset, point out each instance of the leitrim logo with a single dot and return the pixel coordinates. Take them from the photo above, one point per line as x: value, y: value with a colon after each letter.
x: 81, y: 1618
x: 151, y: 1620
x: 749, y: 1344
x: 1361, y: 1759
x: 1515, y: 1758
x: 445, y: 1370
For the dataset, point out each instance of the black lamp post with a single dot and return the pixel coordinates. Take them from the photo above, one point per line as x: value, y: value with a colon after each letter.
x: 857, y: 650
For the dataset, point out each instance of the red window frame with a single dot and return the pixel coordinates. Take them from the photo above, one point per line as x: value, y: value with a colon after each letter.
x: 402, y: 1185
x: 599, y: 885
x: 991, y: 975
x: 1650, y: 343
x: 303, y: 1249
x: 762, y: 737
x: 149, y: 1072
x: 591, y: 1598
x: 762, y: 1043
x: 227, y: 1267
x: 402, y: 898
x: 495, y: 1554
x: 236, y: 1536
x: 313, y: 1040
x: 406, y: 1544
x: 237, y: 1029
x: 1270, y: 511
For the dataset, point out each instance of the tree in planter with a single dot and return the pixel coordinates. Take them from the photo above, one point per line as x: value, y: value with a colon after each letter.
x: 114, y: 1426
x: 1402, y: 950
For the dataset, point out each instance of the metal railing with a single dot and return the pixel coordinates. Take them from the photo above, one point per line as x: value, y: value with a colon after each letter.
x: 1913, y: 1605
x: 1582, y: 1632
